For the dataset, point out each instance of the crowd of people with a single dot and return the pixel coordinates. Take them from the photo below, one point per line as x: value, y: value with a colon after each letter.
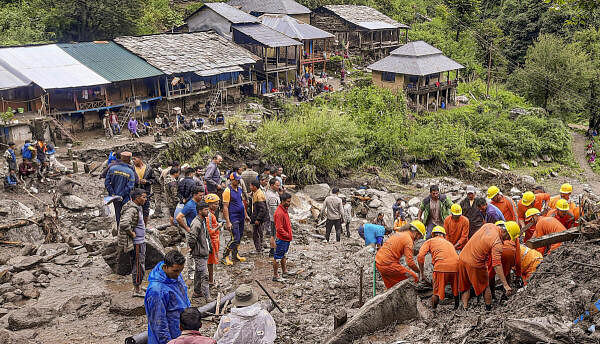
x: 306, y: 86
x: 37, y: 161
x: 471, y: 241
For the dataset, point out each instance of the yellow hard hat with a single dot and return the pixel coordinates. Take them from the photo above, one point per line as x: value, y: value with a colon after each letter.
x: 530, y: 212
x: 438, y: 229
x: 513, y: 229
x: 419, y: 226
x: 492, y: 191
x: 566, y: 188
x: 499, y: 223
x: 528, y: 198
x: 456, y: 209
x: 562, y: 204
x: 211, y: 198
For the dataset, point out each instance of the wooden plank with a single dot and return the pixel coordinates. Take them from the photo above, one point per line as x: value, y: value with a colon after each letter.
x: 553, y: 238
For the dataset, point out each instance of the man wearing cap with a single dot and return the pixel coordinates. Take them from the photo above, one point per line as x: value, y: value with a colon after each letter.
x: 530, y: 200
x: 283, y: 229
x: 214, y: 230
x: 473, y: 261
x: 235, y: 215
x: 445, y: 265
x: 565, y: 193
x: 387, y: 259
x: 247, y: 322
x: 131, y: 237
x: 120, y: 180
x: 505, y: 204
x: 471, y: 212
x: 190, y: 322
x: 200, y: 245
x: 542, y: 226
x: 456, y: 227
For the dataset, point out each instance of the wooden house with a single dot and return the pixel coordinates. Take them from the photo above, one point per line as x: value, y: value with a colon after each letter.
x: 317, y: 44
x: 259, y: 7
x: 219, y: 17
x: 361, y: 29
x: 421, y: 71
x: 197, y: 67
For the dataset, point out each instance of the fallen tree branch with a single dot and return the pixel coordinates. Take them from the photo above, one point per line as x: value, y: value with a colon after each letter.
x: 19, y: 223
x: 12, y: 243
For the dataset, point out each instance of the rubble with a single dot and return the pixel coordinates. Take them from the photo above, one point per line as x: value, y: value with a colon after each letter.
x: 30, y: 317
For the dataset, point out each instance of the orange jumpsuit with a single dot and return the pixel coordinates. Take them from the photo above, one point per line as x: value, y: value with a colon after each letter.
x: 473, y: 259
x: 547, y: 225
x: 507, y: 207
x: 508, y: 259
x: 212, y: 224
x: 398, y: 223
x: 538, y: 203
x: 445, y: 264
x: 567, y: 220
x: 457, y: 232
x: 387, y: 259
x: 574, y: 209
x: 530, y: 259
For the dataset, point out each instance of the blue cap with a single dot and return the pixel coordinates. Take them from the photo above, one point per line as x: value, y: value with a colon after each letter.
x: 235, y: 176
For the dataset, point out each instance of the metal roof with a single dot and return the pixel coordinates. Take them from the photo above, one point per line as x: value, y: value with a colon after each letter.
x: 9, y: 78
x: 187, y: 52
x: 293, y: 28
x: 416, y: 58
x: 50, y: 67
x: 234, y: 15
x: 266, y: 36
x: 365, y: 17
x: 110, y: 60
x: 218, y: 71
x: 270, y: 6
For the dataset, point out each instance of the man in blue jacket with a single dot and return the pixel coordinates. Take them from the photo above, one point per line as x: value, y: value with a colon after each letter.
x: 166, y: 297
x: 120, y: 180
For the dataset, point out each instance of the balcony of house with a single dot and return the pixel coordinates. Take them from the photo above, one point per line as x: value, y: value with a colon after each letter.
x: 274, y: 64
x: 380, y: 39
x: 203, y: 82
x: 415, y: 88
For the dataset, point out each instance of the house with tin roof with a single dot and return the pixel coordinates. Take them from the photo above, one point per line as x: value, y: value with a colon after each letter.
x: 260, y: 7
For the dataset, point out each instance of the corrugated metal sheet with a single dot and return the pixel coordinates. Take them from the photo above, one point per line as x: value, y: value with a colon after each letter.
x: 365, y: 17
x: 50, y: 67
x: 187, y: 52
x: 9, y: 78
x: 266, y: 36
x: 111, y: 61
x: 270, y: 6
x: 218, y: 71
x: 234, y: 15
x: 293, y: 27
x: 416, y: 48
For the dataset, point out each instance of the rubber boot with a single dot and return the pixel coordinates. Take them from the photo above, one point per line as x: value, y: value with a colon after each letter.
x: 226, y: 260
x: 236, y: 255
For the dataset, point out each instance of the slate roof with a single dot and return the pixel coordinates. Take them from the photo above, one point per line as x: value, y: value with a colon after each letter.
x: 266, y: 36
x: 293, y: 28
x: 110, y: 60
x: 416, y: 58
x: 232, y: 14
x: 10, y: 78
x: 187, y: 52
x: 50, y: 67
x: 365, y: 17
x: 270, y: 6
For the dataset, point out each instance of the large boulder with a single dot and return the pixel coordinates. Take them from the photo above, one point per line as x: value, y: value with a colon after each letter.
x: 120, y: 263
x: 23, y: 278
x: 528, y: 179
x: 30, y: 234
x: 414, y: 202
x: 125, y: 304
x: 375, y: 203
x: 21, y: 263
x: 73, y: 202
x: 318, y: 192
x: 29, y: 317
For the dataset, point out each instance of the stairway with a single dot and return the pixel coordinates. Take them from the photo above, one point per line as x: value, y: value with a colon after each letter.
x: 124, y: 114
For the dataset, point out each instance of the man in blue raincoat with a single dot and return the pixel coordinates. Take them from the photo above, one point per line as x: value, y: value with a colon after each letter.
x: 166, y: 297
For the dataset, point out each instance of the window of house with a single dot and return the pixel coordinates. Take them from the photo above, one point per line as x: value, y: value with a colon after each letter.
x: 388, y: 77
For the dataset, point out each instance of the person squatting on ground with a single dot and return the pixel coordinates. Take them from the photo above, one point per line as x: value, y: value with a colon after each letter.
x: 200, y: 245
x: 190, y: 322
x: 235, y: 216
x: 387, y: 259
x: 131, y: 237
x: 283, y: 227
x: 445, y: 265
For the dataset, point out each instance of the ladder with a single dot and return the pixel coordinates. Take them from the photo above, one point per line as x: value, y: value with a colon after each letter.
x: 124, y: 114
x: 214, y: 101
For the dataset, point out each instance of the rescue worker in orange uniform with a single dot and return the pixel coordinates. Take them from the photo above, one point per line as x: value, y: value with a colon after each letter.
x: 214, y: 231
x: 445, y: 265
x: 563, y: 214
x: 530, y: 200
x: 565, y: 193
x: 486, y: 243
x: 508, y: 262
x: 505, y: 204
x: 530, y: 259
x: 387, y: 259
x: 543, y: 226
x: 456, y: 227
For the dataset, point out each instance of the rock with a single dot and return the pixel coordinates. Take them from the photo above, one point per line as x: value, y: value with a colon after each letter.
x: 72, y: 202
x: 375, y: 203
x: 120, y: 263
x: 27, y: 250
x: 533, y: 163
x: 413, y: 212
x: 528, y: 179
x: 361, y: 192
x: 11, y: 296
x: 30, y: 234
x: 82, y: 305
x: 298, y: 293
x: 514, y: 191
x: 23, y: 278
x: 31, y: 293
x: 554, y: 174
x: 462, y: 99
x: 21, y: 263
x: 5, y: 288
x: 23, y: 211
x: 413, y: 202
x: 125, y: 304
x: 505, y: 166
x: 43, y: 279
x: 318, y: 192
x: 98, y: 224
x: 5, y: 274
x: 29, y: 317
x: 66, y: 260
x: 5, y: 337
x: 546, y: 158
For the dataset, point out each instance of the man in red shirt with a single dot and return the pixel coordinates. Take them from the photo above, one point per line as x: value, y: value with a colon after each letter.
x: 283, y: 231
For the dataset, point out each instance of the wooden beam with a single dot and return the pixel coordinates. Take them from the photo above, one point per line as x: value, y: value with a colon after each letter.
x: 553, y: 238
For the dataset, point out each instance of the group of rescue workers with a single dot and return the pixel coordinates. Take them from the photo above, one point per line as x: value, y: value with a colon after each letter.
x: 469, y: 258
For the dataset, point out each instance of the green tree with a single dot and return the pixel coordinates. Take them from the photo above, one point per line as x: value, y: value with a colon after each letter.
x: 23, y: 22
x: 556, y: 76
x: 159, y: 16
x: 463, y: 14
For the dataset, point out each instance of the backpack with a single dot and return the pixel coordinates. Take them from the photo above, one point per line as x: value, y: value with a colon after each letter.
x: 26, y: 152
